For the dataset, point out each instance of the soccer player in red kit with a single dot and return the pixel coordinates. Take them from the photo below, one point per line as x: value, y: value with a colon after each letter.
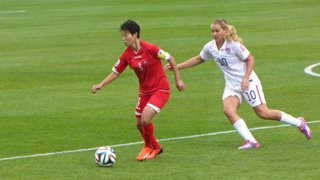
x: 145, y: 59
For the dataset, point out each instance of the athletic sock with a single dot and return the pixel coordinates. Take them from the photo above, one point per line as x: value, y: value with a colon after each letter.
x: 243, y: 130
x: 151, y: 140
x: 286, y: 118
x: 142, y: 132
x: 143, y: 136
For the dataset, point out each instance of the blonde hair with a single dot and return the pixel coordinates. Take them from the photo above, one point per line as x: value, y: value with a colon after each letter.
x: 231, y: 30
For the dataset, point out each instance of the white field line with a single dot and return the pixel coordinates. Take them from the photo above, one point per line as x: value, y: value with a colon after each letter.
x: 12, y: 12
x: 141, y: 142
x: 309, y: 71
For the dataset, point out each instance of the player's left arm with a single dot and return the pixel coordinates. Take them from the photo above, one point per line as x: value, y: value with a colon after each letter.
x: 249, y: 68
x: 167, y: 57
x: 244, y: 54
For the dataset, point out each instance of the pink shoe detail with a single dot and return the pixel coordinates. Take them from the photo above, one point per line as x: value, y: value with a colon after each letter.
x: 249, y: 145
x: 305, y: 129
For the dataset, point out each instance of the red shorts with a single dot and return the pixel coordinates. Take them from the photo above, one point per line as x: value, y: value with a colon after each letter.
x: 154, y: 100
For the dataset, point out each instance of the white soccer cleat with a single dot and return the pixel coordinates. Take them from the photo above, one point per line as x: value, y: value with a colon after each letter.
x: 304, y: 128
x: 249, y: 145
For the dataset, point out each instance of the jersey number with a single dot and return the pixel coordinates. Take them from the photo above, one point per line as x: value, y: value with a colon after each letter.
x: 223, y: 61
x: 251, y: 95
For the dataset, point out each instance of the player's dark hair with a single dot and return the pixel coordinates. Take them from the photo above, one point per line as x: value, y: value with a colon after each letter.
x: 131, y: 26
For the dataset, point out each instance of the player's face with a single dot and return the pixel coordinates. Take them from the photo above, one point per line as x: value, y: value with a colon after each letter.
x: 217, y: 32
x: 127, y: 38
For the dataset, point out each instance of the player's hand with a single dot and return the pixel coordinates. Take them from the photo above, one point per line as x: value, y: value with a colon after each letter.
x: 167, y: 67
x: 245, y: 84
x: 95, y: 88
x: 180, y: 85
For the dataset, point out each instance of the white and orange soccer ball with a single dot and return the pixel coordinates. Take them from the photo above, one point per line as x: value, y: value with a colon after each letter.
x: 105, y: 156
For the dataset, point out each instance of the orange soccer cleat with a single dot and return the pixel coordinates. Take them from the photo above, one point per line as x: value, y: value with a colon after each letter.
x: 144, y: 153
x: 155, y: 153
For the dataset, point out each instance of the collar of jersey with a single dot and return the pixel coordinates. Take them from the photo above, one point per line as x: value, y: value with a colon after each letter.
x: 222, y: 47
x: 141, y: 44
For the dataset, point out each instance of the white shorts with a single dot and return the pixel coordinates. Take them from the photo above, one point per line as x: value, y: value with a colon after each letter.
x: 254, y: 95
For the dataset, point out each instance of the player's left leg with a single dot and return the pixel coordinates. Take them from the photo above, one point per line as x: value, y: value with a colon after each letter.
x: 272, y: 114
x: 148, y: 129
x: 154, y: 105
x: 255, y: 97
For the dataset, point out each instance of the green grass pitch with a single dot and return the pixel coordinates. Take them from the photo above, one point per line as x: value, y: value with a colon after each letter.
x: 52, y: 52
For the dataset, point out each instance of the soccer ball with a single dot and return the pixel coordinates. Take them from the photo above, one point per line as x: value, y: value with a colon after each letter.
x: 105, y: 156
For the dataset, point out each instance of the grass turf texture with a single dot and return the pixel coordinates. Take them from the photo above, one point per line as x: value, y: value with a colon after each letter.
x: 54, y: 52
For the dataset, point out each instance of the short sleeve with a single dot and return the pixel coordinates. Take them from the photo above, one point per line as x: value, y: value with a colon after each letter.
x: 120, y: 65
x: 154, y: 49
x: 205, y: 52
x: 240, y: 50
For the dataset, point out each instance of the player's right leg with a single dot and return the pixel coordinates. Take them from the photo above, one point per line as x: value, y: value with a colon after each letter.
x: 231, y: 104
x: 147, y: 148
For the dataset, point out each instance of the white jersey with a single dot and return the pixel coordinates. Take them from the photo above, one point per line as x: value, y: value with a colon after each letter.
x: 230, y: 58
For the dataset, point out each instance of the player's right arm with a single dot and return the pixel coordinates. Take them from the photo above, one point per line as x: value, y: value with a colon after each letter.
x: 194, y: 61
x: 112, y: 76
x: 117, y: 69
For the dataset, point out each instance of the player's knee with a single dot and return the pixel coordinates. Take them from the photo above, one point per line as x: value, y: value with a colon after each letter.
x: 144, y: 122
x: 228, y: 111
x: 147, y: 116
x: 139, y: 126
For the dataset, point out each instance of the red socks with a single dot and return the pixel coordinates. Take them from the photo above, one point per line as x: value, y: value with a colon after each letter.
x: 148, y: 136
x: 148, y: 131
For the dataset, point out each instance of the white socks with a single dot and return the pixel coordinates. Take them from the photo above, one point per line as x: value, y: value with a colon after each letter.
x: 243, y: 130
x: 286, y: 118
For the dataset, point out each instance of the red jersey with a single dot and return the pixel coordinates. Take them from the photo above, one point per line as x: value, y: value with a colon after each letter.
x: 146, y: 65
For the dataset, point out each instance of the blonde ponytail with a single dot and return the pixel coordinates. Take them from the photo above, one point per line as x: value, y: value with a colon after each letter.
x: 231, y: 34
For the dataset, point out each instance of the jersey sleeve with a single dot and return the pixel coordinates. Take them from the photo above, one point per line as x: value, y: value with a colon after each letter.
x: 240, y: 50
x: 153, y: 50
x: 205, y: 52
x: 120, y: 65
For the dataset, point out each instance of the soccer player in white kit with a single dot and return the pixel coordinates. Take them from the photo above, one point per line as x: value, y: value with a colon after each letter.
x: 236, y: 63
